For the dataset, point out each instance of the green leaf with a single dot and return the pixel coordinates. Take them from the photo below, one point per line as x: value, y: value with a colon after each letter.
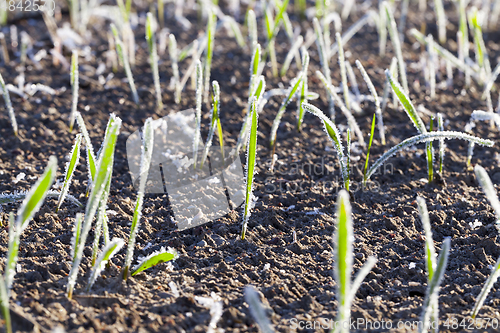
x: 154, y: 259
x: 107, y: 253
x: 70, y: 169
x: 372, y: 132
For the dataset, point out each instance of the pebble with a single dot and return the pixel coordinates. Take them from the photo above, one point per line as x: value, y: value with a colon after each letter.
x: 202, y: 243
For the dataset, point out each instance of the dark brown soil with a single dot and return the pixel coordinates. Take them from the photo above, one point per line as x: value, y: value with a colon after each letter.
x: 299, y: 196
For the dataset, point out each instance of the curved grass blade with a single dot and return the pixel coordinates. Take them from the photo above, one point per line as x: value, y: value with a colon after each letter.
x: 372, y: 131
x: 291, y: 92
x: 8, y: 104
x: 257, y: 310
x: 146, y: 154
x: 250, y: 166
x: 488, y: 189
x: 441, y: 142
x: 446, y: 135
x: 74, y: 88
x: 120, y: 48
x: 486, y: 289
x: 154, y: 259
x: 107, y: 253
x: 103, y: 172
x: 70, y: 169
x: 212, y: 20
x: 4, y: 305
x: 214, y: 122
x: 360, y: 276
x: 430, y: 252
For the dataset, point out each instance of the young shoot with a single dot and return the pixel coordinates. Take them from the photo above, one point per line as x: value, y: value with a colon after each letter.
x: 8, y: 105
x: 372, y: 131
x: 441, y: 20
x: 214, y: 122
x: 102, y: 174
x: 122, y: 54
x: 257, y: 309
x: 378, y: 110
x: 343, y: 240
x: 343, y: 72
x: 441, y: 142
x: 91, y: 158
x: 107, y: 253
x: 323, y: 58
x: 209, y: 51
x: 250, y: 165
x: 74, y: 88
x: 154, y: 259
x: 304, y: 89
x: 172, y: 50
x: 70, y: 169
x: 199, y: 96
x: 153, y: 57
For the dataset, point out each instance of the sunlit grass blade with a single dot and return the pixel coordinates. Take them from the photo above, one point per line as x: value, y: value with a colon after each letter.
x: 199, y: 96
x: 107, y: 253
x: 4, y: 305
x: 250, y: 165
x: 214, y: 122
x: 372, y: 131
x: 103, y: 172
x: 441, y: 142
x: 323, y: 58
x: 153, y: 57
x: 74, y: 88
x: 343, y: 73
x: 91, y: 158
x: 291, y: 92
x: 373, y: 91
x: 252, y: 28
x: 257, y: 310
x: 70, y: 169
x: 120, y: 48
x: 421, y: 138
x: 172, y: 50
x: 489, y: 190
x: 209, y: 51
x: 146, y: 154
x: 478, y: 36
x: 75, y: 240
x: 334, y: 135
x: 154, y: 259
x: 303, y: 89
x: 8, y: 105
x: 291, y: 53
x: 431, y: 299
x: 490, y: 282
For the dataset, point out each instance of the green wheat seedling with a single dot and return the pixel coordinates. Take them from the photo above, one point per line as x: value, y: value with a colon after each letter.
x: 91, y: 158
x: 209, y: 51
x: 146, y: 153
x: 432, y: 69
x: 199, y: 96
x: 106, y: 254
x: 120, y: 48
x: 153, y: 57
x: 353, y: 124
x: 272, y: 27
x: 291, y: 53
x: 252, y: 29
x: 491, y: 81
x: 70, y: 169
x: 393, y: 68
x: 414, y: 117
x: 435, y: 272
x: 74, y: 88
x: 8, y: 105
x: 475, y: 23
x: 172, y: 50
x: 255, y: 70
x: 353, y: 29
x: 441, y: 20
x: 334, y: 135
x: 354, y: 84
x: 441, y: 142
x: 343, y: 240
x: 304, y: 89
x: 75, y: 239
x: 382, y: 29
x: 421, y: 138
x: 393, y: 33
x: 103, y: 172
x: 323, y: 58
x: 491, y: 194
x: 372, y: 131
x: 343, y: 73
x: 154, y: 259
x: 250, y: 165
x: 378, y: 110
x: 296, y: 83
x: 214, y: 123
x: 257, y: 310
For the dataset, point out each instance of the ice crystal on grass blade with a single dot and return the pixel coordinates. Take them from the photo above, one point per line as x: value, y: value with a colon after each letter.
x: 154, y: 259
x: 250, y: 166
x: 120, y: 48
x: 8, y: 105
x: 257, y: 310
x: 146, y: 154
x: 70, y: 169
x: 441, y: 142
x: 107, y: 253
x: 435, y: 272
x: 153, y: 57
x: 74, y: 88
x: 343, y: 261
x: 445, y: 135
x: 103, y: 172
x: 91, y: 158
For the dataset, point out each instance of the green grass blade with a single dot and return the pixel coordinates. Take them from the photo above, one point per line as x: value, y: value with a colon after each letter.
x: 4, y: 305
x: 406, y: 103
x: 146, y: 155
x: 155, y: 259
x: 252, y: 28
x: 441, y: 142
x: 430, y: 154
x: 486, y: 289
x: 343, y: 255
x: 430, y: 252
x: 488, y: 189
x: 91, y: 158
x: 107, y: 253
x: 303, y: 90
x: 250, y: 166
x: 70, y: 169
x: 257, y: 310
x: 291, y: 92
x: 8, y: 104
x: 74, y: 88
x: 120, y: 48
x: 372, y: 131
x: 343, y: 72
x: 214, y: 123
x: 212, y: 20
x: 199, y: 96
x: 360, y: 276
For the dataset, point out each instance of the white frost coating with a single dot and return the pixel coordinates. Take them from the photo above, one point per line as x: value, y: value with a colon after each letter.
x: 486, y: 288
x: 489, y: 190
x: 484, y: 116
x: 106, y: 254
x: 291, y: 53
x: 343, y: 71
x: 8, y: 104
x: 214, y: 120
x: 199, y: 96
x: 74, y: 156
x: 491, y: 80
x: 174, y: 289
x: 257, y: 310
x: 214, y: 303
